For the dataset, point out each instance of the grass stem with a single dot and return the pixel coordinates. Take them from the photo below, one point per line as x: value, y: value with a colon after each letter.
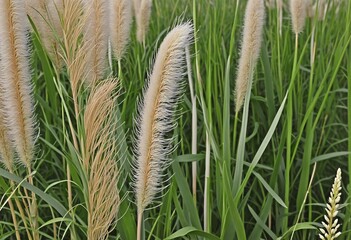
x: 290, y: 118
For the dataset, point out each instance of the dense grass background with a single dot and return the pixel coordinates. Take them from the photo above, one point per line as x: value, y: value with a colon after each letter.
x: 289, y: 131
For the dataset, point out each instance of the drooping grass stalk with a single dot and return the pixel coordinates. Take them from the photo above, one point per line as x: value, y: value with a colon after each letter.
x: 16, y: 89
x: 156, y: 117
x: 74, y: 54
x: 99, y: 160
x: 72, y: 29
x: 75, y: 51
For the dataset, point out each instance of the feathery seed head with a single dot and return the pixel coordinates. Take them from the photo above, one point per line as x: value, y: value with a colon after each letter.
x: 96, y: 32
x: 54, y: 36
x: 120, y: 24
x: 143, y: 19
x: 99, y: 159
x: 74, y: 50
x: 330, y: 223
x: 298, y: 9
x: 45, y: 16
x: 250, y: 49
x: 16, y: 78
x: 6, y: 151
x: 136, y: 6
x: 156, y: 114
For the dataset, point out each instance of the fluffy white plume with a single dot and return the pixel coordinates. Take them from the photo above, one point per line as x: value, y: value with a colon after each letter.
x: 143, y: 19
x: 250, y: 49
x: 120, y: 23
x: 16, y: 80
x: 96, y: 33
x: 156, y: 114
x: 298, y: 10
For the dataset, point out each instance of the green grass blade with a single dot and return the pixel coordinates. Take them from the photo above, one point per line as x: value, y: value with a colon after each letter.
x: 54, y: 203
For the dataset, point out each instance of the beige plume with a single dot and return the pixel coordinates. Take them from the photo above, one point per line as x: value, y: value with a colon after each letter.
x: 96, y: 32
x: 120, y: 24
x: 250, y: 49
x: 298, y: 9
x: 136, y: 6
x: 74, y: 50
x: 143, y: 19
x: 16, y: 78
x: 156, y: 115
x: 6, y: 151
x: 100, y: 159
x: 45, y: 15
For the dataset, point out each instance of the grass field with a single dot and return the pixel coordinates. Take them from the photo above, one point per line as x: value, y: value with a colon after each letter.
x: 264, y: 172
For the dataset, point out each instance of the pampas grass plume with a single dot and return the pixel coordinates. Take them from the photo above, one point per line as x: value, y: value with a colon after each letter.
x: 46, y: 18
x: 36, y: 9
x: 120, y: 24
x: 99, y: 159
x: 16, y: 78
x: 96, y: 32
x: 143, y: 19
x: 156, y: 115
x: 74, y: 50
x: 250, y: 49
x: 298, y: 9
x: 6, y: 151
x: 54, y: 36
x: 136, y: 6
